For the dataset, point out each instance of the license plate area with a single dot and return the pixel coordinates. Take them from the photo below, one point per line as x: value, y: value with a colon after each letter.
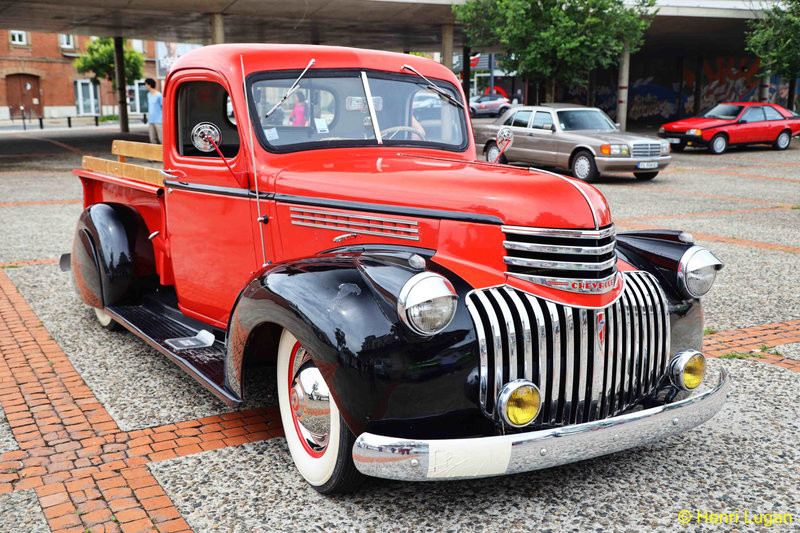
x: 673, y: 140
x: 648, y: 164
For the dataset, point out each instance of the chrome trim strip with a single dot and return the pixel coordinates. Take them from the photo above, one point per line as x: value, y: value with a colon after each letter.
x: 651, y: 331
x: 569, y: 356
x: 644, y: 354
x: 559, y: 265
x: 541, y: 332
x: 559, y: 249
x: 627, y: 382
x: 327, y: 221
x: 618, y: 358
x: 658, y: 327
x: 555, y: 332
x: 348, y: 215
x: 636, y: 369
x: 482, y: 349
x: 561, y: 233
x: 583, y: 373
x: 497, y: 343
x: 418, y: 459
x: 376, y: 128
x: 608, y: 357
x: 527, y: 341
x: 572, y: 182
x: 565, y: 284
x: 356, y: 230
x: 511, y: 335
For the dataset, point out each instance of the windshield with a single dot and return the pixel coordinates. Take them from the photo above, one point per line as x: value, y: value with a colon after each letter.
x: 585, y: 119
x: 330, y: 109
x: 724, y: 111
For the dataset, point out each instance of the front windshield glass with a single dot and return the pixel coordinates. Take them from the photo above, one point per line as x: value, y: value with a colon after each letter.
x: 330, y: 109
x: 724, y: 111
x: 584, y: 119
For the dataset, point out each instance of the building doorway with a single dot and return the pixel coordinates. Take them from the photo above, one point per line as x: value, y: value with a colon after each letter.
x: 24, y: 95
x: 87, y: 98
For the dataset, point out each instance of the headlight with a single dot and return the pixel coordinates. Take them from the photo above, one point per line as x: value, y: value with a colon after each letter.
x: 427, y: 303
x: 661, y: 129
x: 665, y: 149
x: 614, y: 149
x: 697, y: 271
x: 687, y: 369
x: 694, y: 132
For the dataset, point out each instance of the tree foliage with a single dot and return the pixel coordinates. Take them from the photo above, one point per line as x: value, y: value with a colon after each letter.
x: 561, y: 40
x: 99, y: 59
x: 775, y: 39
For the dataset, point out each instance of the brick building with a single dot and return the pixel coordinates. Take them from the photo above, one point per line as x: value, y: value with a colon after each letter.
x: 37, y: 75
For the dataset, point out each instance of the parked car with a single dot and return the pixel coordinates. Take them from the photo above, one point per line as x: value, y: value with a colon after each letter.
x: 430, y: 316
x: 578, y: 138
x: 734, y: 124
x: 489, y: 105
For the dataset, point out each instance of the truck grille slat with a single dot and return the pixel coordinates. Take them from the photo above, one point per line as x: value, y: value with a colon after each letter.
x: 567, y: 259
x: 589, y: 364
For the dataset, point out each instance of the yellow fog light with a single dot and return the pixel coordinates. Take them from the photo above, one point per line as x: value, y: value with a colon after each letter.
x: 519, y: 402
x: 687, y: 369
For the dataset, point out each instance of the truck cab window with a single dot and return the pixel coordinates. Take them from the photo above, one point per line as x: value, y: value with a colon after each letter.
x: 208, y: 104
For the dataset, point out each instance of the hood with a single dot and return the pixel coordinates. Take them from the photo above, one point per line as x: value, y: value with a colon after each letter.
x: 516, y: 196
x: 695, y: 122
x: 612, y: 137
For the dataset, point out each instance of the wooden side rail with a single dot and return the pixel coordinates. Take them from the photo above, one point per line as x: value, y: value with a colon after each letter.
x: 126, y: 170
x: 124, y: 149
x: 120, y: 167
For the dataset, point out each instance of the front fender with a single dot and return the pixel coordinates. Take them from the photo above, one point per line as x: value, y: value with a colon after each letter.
x: 384, y: 378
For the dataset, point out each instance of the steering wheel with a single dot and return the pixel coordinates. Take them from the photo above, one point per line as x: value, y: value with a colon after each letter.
x: 389, y: 133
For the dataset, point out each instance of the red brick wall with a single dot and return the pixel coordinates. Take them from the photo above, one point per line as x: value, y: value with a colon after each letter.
x: 44, y: 57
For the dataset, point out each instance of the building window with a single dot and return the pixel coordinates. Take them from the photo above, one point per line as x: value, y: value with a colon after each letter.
x: 87, y: 98
x: 137, y: 97
x: 19, y: 38
x: 137, y: 45
x: 66, y: 41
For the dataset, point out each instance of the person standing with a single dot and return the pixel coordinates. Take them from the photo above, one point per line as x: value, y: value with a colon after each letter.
x: 154, y: 105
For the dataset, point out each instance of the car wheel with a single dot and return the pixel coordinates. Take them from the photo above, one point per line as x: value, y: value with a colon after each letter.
x: 678, y: 147
x: 502, y: 111
x: 320, y: 442
x: 645, y: 176
x: 583, y: 166
x: 493, y: 152
x: 783, y: 140
x: 719, y: 143
x: 105, y: 320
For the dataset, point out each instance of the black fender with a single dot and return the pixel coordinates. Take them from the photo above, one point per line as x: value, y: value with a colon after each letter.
x: 111, y: 254
x: 659, y: 252
x: 384, y: 378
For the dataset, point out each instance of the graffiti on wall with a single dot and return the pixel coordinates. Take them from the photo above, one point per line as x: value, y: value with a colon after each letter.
x: 726, y: 79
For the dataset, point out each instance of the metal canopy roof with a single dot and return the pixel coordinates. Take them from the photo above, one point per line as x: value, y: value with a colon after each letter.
x: 386, y: 24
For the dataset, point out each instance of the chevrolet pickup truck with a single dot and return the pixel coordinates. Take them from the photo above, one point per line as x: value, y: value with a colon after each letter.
x: 430, y: 316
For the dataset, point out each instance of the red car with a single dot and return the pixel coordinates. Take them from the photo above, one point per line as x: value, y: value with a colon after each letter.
x: 734, y: 123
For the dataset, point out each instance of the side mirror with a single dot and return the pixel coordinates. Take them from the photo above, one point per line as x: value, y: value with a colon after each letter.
x: 548, y: 127
x: 618, y: 125
x: 504, y: 139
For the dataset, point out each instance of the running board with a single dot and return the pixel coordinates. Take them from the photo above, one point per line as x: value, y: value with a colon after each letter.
x: 161, y: 325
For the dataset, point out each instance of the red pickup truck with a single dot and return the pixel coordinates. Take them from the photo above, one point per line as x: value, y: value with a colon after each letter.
x: 431, y: 316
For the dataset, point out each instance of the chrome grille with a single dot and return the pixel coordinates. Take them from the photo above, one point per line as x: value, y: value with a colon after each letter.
x: 646, y: 149
x: 582, y: 374
x: 558, y: 257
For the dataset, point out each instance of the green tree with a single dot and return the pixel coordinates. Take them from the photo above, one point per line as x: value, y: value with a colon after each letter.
x: 99, y: 59
x: 775, y: 38
x: 559, y: 41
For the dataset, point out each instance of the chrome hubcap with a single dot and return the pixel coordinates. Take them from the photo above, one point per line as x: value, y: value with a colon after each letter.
x: 582, y: 167
x: 783, y: 140
x: 492, y: 153
x: 309, y: 398
x: 719, y: 144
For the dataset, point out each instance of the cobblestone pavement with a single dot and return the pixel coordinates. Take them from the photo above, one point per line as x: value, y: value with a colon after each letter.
x: 98, y: 432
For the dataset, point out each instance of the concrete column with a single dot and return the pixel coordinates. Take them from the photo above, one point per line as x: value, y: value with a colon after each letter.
x: 466, y: 71
x: 622, y: 89
x: 447, y: 45
x: 763, y: 87
x: 217, y: 28
x: 119, y: 74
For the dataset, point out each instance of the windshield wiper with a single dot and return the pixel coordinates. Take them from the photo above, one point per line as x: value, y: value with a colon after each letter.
x: 291, y: 90
x: 435, y: 88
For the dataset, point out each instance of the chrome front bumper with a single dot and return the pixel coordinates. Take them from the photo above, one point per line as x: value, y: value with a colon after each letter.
x: 630, y: 164
x: 423, y: 460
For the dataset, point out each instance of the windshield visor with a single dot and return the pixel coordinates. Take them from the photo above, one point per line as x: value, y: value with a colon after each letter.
x: 329, y: 109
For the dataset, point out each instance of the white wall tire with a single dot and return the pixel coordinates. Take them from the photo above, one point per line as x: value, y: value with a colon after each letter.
x: 105, y: 320
x: 329, y: 471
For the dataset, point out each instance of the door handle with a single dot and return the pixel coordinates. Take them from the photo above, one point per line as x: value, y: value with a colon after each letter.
x: 172, y: 173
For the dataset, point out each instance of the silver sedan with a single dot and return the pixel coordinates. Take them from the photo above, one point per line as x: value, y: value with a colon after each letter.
x: 578, y: 138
